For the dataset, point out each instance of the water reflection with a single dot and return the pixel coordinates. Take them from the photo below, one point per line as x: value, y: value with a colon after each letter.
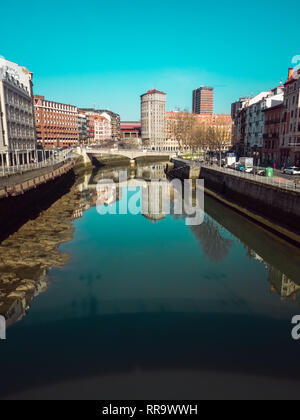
x: 26, y: 256
x: 130, y: 295
x: 211, y: 233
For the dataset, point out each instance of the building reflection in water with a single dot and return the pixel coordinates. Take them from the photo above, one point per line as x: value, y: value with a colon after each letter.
x: 28, y: 253
x: 215, y: 245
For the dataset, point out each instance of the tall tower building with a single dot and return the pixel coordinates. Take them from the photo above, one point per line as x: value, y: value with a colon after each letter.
x: 153, y: 110
x: 203, y: 100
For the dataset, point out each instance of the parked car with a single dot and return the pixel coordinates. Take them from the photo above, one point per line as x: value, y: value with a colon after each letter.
x: 259, y: 171
x: 292, y: 170
x: 248, y: 169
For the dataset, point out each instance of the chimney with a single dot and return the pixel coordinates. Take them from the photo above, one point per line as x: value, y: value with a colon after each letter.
x: 291, y: 72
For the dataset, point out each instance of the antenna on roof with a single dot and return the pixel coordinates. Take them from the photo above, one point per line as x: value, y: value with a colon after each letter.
x: 280, y: 83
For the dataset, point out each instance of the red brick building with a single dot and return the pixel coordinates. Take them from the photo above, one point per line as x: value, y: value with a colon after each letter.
x: 271, y: 137
x: 56, y: 123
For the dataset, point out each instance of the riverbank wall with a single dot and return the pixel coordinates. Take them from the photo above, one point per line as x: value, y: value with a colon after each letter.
x: 274, y: 208
x: 24, y: 202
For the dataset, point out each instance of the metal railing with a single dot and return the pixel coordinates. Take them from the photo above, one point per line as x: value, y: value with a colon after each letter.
x: 50, y: 161
x: 277, y: 182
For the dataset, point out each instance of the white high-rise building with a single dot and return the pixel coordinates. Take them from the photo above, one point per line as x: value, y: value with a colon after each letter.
x: 17, y: 123
x: 153, y: 110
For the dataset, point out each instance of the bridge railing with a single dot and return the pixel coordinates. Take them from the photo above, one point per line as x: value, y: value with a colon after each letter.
x: 120, y: 151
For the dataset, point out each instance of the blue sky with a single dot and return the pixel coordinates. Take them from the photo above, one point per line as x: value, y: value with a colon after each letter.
x: 106, y: 53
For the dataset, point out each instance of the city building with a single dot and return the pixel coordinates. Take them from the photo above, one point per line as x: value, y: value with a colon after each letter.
x: 238, y: 124
x: 17, y: 128
x: 153, y: 110
x: 290, y: 128
x: 249, y: 122
x: 130, y: 130
x: 203, y: 100
x: 56, y: 123
x: 271, y: 141
x: 113, y: 118
x: 83, y: 133
x: 99, y: 128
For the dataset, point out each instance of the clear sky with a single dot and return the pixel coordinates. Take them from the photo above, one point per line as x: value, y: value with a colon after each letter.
x: 106, y: 53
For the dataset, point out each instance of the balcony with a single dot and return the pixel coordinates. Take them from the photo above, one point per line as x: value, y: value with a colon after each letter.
x: 271, y: 135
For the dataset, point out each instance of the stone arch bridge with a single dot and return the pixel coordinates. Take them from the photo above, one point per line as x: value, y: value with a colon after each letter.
x: 88, y: 153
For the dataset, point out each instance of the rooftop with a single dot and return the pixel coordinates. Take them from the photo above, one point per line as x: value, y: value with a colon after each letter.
x: 153, y: 91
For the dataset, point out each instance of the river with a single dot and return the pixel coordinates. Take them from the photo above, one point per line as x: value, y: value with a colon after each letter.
x: 134, y: 306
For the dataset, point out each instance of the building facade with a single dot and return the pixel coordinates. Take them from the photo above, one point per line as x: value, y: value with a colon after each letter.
x: 249, y: 122
x: 99, y: 128
x: 102, y: 127
x: 153, y: 110
x: 290, y: 128
x: 109, y: 115
x: 203, y: 100
x: 56, y: 123
x: 130, y: 130
x: 82, y: 127
x: 17, y: 125
x: 238, y: 121
x: 271, y: 142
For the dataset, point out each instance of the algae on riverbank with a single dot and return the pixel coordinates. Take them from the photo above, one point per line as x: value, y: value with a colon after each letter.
x: 26, y: 255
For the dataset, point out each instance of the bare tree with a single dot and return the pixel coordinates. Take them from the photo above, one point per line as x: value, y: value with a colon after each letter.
x: 219, y: 137
x: 181, y: 128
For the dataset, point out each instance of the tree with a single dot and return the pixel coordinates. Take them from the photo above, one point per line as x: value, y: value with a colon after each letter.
x: 181, y: 128
x: 219, y: 137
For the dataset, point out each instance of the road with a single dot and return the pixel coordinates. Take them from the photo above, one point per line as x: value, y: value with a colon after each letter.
x: 279, y: 173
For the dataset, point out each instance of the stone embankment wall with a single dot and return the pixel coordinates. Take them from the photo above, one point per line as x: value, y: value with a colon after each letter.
x: 18, y: 206
x: 274, y: 208
x: 182, y: 169
x: 280, y: 206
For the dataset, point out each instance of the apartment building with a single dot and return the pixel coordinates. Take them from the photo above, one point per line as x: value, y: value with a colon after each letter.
x: 112, y: 117
x: 271, y: 142
x: 99, y: 128
x: 82, y: 127
x: 249, y: 122
x: 290, y: 127
x: 56, y: 123
x: 17, y: 127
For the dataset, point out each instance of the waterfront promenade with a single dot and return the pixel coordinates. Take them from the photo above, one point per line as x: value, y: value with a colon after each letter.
x: 21, y: 179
